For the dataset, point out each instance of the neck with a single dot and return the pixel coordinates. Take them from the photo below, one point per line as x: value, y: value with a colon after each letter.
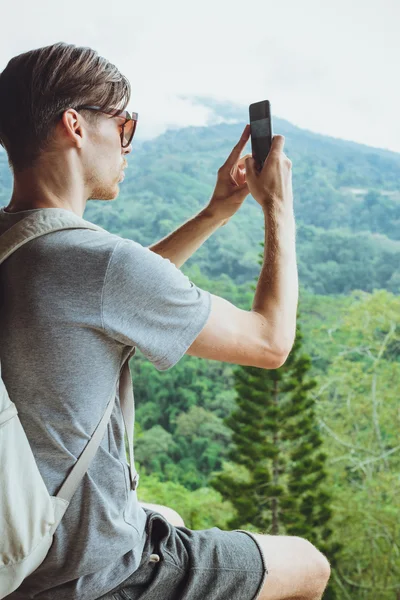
x: 20, y: 204
x: 19, y: 207
x: 48, y: 186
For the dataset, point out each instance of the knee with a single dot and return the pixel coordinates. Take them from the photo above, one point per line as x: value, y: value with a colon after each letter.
x: 319, y: 567
x: 173, y: 517
x: 296, y: 568
x: 169, y: 513
x: 323, y: 567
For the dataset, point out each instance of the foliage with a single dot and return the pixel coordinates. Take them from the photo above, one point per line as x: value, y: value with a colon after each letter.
x: 347, y: 202
x: 359, y: 413
x: 277, y: 446
x: 200, y: 509
x: 347, y: 206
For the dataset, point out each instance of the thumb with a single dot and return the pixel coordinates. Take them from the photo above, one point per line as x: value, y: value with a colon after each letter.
x: 278, y: 141
x: 250, y: 168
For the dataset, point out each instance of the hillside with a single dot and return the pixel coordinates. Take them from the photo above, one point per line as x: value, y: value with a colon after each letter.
x: 346, y: 196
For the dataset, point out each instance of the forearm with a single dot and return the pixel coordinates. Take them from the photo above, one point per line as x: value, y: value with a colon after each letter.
x: 179, y: 245
x: 276, y: 296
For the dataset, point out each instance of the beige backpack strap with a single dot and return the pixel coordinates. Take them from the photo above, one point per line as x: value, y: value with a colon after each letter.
x: 29, y: 228
x: 40, y: 223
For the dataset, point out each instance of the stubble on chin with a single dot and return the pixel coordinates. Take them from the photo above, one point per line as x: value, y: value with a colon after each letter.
x: 100, y: 191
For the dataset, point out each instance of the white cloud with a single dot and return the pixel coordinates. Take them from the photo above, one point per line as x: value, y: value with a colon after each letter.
x: 328, y: 66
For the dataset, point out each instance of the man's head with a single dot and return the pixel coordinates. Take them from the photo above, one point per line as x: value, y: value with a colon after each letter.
x: 44, y: 129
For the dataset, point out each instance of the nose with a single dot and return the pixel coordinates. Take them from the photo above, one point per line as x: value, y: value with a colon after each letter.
x: 128, y: 149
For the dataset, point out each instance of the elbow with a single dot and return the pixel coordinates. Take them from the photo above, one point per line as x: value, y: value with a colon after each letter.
x: 272, y: 359
x: 281, y: 355
x: 281, y: 359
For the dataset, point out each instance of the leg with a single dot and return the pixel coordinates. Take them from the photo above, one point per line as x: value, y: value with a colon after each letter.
x: 296, y: 569
x: 171, y: 515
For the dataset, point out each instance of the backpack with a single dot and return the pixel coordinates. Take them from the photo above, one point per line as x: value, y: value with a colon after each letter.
x: 29, y: 516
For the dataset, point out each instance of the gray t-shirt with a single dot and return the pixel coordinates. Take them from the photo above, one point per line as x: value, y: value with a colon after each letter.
x: 73, y: 303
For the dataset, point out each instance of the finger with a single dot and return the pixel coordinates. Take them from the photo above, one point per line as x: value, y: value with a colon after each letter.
x: 278, y: 141
x: 240, y: 165
x: 237, y: 150
x: 250, y: 167
x: 249, y: 163
x: 239, y: 176
x: 239, y: 169
x: 242, y: 161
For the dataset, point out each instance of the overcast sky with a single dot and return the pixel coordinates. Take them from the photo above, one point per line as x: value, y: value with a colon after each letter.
x: 328, y: 66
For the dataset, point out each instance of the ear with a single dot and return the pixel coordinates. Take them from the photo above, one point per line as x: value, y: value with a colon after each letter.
x: 73, y: 126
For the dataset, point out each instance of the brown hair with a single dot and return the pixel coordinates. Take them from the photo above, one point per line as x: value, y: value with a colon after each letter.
x: 36, y: 87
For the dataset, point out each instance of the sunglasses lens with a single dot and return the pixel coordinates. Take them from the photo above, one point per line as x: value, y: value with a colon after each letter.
x: 129, y: 130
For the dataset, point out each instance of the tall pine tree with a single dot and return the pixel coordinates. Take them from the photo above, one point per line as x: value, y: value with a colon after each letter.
x: 276, y: 477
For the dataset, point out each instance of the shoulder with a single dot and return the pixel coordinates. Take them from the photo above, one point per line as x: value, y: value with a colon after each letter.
x: 89, y: 242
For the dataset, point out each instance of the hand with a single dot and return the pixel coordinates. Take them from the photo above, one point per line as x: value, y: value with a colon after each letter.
x: 231, y: 188
x: 272, y: 186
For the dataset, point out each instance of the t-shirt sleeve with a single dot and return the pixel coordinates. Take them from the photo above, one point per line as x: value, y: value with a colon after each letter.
x: 149, y: 303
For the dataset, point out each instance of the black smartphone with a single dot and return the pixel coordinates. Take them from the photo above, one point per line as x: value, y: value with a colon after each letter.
x: 260, y: 131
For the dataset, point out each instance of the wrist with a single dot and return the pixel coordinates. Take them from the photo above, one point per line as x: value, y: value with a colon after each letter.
x: 209, y: 213
x: 278, y: 210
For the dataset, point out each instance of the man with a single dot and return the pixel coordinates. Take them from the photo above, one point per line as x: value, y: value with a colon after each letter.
x: 75, y: 302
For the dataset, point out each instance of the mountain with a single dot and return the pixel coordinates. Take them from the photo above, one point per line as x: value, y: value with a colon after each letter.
x: 346, y: 199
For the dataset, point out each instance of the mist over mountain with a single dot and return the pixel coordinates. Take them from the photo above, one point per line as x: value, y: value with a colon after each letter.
x: 346, y: 199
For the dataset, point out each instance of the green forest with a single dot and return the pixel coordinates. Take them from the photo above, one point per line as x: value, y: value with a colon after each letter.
x: 311, y: 448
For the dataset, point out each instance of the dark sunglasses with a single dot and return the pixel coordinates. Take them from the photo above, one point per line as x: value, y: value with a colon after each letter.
x: 128, y: 127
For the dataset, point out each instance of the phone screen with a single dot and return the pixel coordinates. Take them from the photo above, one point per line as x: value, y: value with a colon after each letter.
x: 261, y: 127
x: 260, y: 131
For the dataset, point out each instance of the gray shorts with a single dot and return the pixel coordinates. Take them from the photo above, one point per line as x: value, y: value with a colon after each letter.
x: 183, y: 564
